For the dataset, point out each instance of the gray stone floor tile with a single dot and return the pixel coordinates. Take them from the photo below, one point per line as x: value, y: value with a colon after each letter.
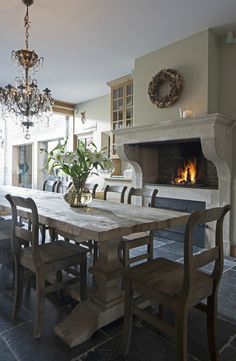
x: 5, y: 352
x: 145, y: 345
x: 229, y: 354
x: 229, y: 277
x: 6, y: 321
x: 233, y: 342
x: 6, y: 281
x: 49, y: 347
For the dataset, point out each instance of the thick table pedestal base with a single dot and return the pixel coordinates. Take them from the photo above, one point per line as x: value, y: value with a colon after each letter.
x: 85, y: 319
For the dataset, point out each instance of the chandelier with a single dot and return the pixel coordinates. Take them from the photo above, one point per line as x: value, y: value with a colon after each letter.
x: 24, y: 101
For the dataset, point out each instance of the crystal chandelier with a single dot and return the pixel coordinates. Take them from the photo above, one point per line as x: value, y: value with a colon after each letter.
x: 24, y: 101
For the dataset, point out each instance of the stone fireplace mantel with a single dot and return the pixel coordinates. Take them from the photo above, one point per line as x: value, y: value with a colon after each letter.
x: 215, y: 134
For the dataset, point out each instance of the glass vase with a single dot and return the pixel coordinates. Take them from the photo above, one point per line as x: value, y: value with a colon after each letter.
x: 78, y: 195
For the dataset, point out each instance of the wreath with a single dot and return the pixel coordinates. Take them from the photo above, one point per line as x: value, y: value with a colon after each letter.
x: 176, y: 84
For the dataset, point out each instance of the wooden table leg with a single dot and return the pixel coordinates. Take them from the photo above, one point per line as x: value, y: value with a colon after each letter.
x: 103, y: 306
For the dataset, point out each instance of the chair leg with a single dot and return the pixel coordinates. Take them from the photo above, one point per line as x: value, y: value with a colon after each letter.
x: 53, y: 235
x: 83, y: 277
x: 19, y: 283
x: 43, y: 233
x: 211, y: 326
x: 95, y: 251
x: 181, y: 334
x: 128, y: 318
x: 40, y: 296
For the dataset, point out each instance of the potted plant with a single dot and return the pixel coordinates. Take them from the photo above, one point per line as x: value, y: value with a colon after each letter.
x: 78, y: 164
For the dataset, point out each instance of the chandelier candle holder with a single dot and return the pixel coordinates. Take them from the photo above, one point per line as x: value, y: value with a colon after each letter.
x: 24, y: 102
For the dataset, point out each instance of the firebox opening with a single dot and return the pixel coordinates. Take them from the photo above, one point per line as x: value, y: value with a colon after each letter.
x: 178, y: 163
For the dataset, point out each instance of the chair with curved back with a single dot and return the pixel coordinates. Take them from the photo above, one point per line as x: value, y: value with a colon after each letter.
x: 42, y: 260
x: 49, y: 185
x: 90, y: 245
x: 136, y: 240
x: 179, y: 287
x: 115, y: 189
x: 63, y: 186
x: 92, y: 188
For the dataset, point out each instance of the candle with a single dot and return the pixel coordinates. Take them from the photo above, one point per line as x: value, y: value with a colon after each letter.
x: 187, y: 113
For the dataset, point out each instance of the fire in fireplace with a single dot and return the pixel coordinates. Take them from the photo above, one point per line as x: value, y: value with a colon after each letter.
x: 186, y: 174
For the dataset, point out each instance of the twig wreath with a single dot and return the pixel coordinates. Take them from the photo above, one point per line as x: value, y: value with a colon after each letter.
x: 176, y: 85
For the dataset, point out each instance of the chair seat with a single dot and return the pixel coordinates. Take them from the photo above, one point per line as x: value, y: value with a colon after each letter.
x: 52, y: 253
x: 165, y: 276
x: 138, y: 235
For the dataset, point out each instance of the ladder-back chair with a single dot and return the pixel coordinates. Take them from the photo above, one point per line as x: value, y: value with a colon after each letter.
x: 42, y: 260
x: 179, y: 287
x: 90, y: 245
x: 136, y: 240
x: 49, y: 186
x: 115, y: 189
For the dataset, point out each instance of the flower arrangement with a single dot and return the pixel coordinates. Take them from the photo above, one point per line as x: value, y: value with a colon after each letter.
x: 78, y: 164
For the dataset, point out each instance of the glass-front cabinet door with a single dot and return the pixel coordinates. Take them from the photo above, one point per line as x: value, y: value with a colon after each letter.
x: 121, y: 105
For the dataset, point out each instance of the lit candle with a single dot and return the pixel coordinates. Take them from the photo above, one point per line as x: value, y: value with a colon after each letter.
x: 187, y: 113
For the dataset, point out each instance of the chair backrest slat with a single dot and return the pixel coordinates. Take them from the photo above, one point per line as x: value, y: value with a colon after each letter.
x: 92, y: 188
x: 144, y: 193
x: 51, y: 185
x: 63, y: 187
x: 115, y: 189
x: 23, y: 234
x: 18, y: 205
x: 206, y: 257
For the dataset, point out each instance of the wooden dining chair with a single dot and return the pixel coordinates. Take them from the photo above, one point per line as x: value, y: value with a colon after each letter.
x: 49, y: 186
x: 42, y: 260
x: 115, y: 189
x: 92, y: 188
x: 63, y: 186
x: 90, y: 245
x: 140, y: 239
x: 179, y: 287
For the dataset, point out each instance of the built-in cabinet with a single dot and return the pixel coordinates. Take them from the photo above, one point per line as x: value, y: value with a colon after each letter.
x: 121, y: 106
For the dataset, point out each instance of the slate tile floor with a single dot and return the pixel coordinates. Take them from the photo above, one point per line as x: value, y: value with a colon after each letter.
x: 17, y: 343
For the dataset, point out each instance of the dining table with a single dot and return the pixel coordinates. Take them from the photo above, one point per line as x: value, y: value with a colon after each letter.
x: 105, y: 222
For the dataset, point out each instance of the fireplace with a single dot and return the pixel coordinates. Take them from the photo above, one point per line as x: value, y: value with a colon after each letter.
x: 179, y: 163
x: 160, y: 152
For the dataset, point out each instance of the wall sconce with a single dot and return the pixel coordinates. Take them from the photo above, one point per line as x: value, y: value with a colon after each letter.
x: 83, y: 117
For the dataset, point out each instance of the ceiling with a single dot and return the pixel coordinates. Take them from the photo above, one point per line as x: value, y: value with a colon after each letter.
x: 87, y: 43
